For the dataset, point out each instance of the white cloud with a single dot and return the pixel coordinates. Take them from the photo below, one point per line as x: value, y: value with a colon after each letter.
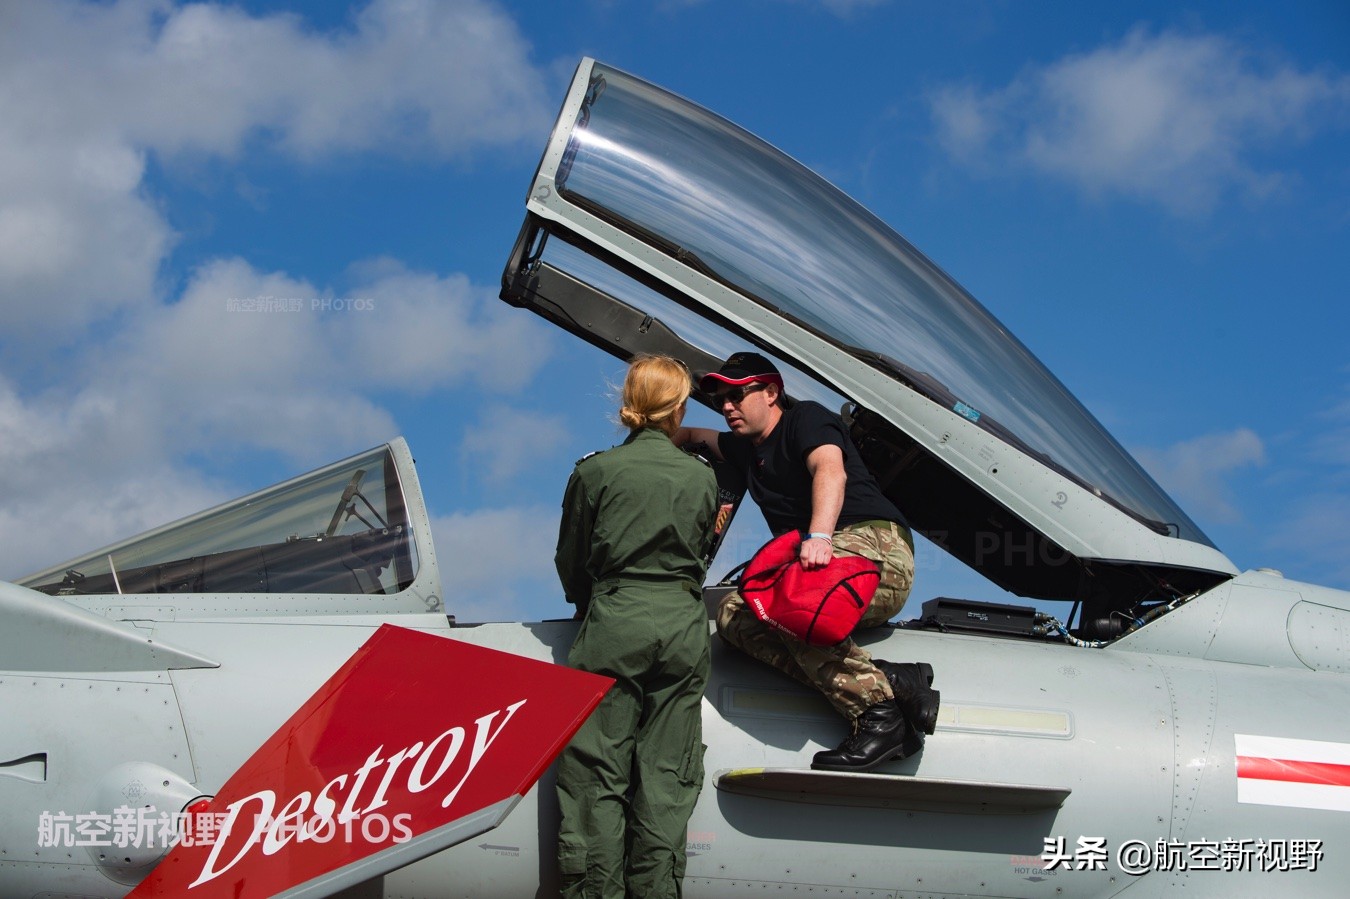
x: 844, y: 9
x: 847, y: 8
x: 77, y: 473
x: 497, y: 564
x: 239, y: 339
x: 1169, y: 119
x: 1332, y: 443
x: 420, y: 75
x: 1318, y: 532
x: 503, y: 445
x: 201, y: 373
x: 407, y: 75
x: 89, y: 91
x: 89, y: 94
x: 245, y: 361
x: 1195, y: 470
x: 1316, y: 528
x: 425, y: 331
x: 77, y: 241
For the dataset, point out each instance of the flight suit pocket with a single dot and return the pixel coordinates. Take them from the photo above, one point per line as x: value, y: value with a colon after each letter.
x: 572, y: 870
x: 691, y: 771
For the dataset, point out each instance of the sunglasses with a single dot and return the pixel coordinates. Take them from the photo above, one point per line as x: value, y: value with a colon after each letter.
x: 736, y: 394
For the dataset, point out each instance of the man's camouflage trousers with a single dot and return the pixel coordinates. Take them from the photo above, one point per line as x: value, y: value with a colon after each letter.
x: 844, y: 672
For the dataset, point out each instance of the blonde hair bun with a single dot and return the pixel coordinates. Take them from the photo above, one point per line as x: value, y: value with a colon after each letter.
x: 654, y: 392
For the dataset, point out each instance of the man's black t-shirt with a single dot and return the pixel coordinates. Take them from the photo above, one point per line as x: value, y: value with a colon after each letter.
x: 779, y: 481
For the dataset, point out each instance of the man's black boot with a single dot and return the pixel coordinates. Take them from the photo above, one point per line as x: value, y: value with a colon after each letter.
x: 910, y: 684
x: 879, y: 734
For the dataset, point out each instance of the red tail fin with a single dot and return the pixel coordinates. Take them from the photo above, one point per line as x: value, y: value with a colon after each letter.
x: 416, y: 743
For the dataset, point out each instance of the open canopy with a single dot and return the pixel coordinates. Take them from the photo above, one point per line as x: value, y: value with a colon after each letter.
x: 675, y: 210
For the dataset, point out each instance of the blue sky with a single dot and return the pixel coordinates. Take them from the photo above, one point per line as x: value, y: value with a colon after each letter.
x: 1154, y: 197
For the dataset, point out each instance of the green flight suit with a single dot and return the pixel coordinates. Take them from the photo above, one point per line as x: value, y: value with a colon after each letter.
x: 637, y: 521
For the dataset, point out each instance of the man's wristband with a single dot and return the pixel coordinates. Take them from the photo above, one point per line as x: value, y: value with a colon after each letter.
x: 828, y: 538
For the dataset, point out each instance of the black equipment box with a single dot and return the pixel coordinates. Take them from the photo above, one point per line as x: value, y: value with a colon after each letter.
x: 947, y: 614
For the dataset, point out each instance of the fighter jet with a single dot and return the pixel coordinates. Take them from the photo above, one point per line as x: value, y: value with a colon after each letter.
x: 1179, y: 726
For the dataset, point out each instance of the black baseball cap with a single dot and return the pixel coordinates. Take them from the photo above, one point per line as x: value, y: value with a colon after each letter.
x: 742, y: 368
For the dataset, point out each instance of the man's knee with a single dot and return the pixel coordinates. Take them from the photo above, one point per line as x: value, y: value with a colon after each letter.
x: 889, y: 549
x: 731, y: 618
x: 897, y: 569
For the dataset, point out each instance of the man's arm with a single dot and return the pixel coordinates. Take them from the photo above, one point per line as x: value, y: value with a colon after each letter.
x: 826, y: 466
x: 702, y: 440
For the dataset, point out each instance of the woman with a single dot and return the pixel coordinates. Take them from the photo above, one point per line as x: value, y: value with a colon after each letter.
x: 637, y: 522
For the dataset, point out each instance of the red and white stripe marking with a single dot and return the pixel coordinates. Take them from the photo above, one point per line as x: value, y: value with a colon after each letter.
x: 1294, y: 773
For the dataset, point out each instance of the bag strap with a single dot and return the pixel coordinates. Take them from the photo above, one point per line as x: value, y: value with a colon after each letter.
x: 732, y: 577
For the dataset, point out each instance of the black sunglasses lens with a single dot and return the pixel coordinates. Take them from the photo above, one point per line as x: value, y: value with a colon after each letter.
x: 736, y: 394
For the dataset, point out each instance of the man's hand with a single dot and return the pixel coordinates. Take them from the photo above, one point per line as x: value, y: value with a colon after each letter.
x: 825, y: 463
x: 816, y: 553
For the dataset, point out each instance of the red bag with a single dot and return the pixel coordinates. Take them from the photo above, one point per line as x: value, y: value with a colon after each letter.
x: 822, y: 606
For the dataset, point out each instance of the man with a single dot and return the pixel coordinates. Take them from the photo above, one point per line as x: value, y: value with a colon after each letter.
x: 804, y: 473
